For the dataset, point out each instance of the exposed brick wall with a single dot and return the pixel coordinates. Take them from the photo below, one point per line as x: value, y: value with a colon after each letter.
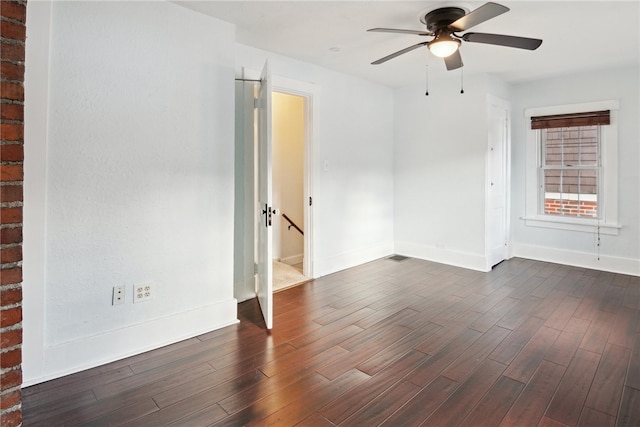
x: 571, y: 208
x: 12, y: 55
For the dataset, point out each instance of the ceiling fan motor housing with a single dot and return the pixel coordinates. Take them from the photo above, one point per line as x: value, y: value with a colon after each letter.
x: 439, y: 19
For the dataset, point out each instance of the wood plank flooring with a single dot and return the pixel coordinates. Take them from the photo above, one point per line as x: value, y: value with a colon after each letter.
x: 388, y: 343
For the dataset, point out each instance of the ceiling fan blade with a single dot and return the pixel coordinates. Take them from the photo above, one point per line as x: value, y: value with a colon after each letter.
x: 453, y: 61
x: 397, y: 30
x: 478, y: 16
x: 398, y: 53
x: 503, y: 40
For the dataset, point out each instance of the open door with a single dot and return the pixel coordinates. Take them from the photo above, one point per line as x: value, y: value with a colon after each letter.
x: 264, y: 279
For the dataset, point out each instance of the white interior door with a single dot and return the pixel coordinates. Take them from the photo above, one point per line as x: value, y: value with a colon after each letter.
x: 264, y: 276
x: 497, y: 191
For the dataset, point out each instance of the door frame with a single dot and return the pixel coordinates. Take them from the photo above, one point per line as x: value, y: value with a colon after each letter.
x: 311, y: 94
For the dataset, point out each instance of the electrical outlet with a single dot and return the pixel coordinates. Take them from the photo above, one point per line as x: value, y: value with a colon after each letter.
x: 142, y: 292
x: 118, y: 295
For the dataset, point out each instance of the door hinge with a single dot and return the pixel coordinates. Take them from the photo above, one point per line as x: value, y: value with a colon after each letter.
x: 255, y: 268
x: 255, y: 103
x: 310, y: 201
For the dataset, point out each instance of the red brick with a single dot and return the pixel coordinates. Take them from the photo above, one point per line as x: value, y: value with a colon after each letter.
x: 8, y: 400
x: 10, y: 359
x: 12, y: 71
x: 11, y: 235
x: 11, y: 193
x: 11, y: 131
x: 11, y: 379
x: 10, y: 338
x: 11, y: 172
x: 12, y: 112
x: 10, y: 317
x: 12, y: 56
x: 14, y: 10
x: 10, y: 30
x: 13, y: 418
x: 10, y: 296
x: 12, y: 91
x: 12, y: 152
x: 10, y: 276
x: 11, y: 215
x: 9, y: 255
x: 12, y: 52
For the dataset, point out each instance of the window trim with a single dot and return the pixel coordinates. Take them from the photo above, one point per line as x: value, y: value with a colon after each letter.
x: 608, y: 223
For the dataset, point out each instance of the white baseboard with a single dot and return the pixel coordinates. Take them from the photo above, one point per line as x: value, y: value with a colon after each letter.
x: 578, y: 259
x: 342, y: 261
x: 78, y: 355
x: 293, y: 260
x: 444, y: 256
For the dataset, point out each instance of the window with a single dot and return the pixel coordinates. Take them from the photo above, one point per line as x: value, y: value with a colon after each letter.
x: 572, y: 167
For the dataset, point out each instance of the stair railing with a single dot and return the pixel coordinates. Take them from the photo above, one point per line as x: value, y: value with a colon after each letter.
x: 292, y: 224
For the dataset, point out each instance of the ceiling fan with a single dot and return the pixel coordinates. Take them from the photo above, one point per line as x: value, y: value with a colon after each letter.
x: 443, y: 24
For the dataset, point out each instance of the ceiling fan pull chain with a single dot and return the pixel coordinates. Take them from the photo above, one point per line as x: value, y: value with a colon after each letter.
x: 461, y: 80
x: 426, y: 75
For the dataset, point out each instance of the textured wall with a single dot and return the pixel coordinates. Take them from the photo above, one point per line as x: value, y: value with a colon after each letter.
x: 137, y: 183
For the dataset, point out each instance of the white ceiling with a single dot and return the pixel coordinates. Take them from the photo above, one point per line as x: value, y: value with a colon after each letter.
x: 577, y: 36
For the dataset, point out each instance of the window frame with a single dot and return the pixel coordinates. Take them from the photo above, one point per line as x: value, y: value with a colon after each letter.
x: 607, y: 223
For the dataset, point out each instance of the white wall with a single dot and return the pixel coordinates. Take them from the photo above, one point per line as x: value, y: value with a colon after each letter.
x: 352, y: 196
x: 138, y: 180
x: 288, y: 175
x: 440, y: 167
x: 440, y: 144
x: 619, y: 253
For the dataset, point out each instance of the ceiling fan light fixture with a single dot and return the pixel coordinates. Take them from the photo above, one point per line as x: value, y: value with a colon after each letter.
x: 444, y: 45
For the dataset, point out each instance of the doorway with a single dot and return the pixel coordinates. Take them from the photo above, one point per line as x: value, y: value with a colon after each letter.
x: 253, y: 266
x: 289, y: 201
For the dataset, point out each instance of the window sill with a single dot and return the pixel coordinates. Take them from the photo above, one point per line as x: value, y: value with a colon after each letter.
x: 584, y: 225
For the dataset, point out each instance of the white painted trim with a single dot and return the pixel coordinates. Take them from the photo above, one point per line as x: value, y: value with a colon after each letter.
x: 443, y: 256
x: 571, y: 108
x: 293, y: 260
x: 571, y: 196
x: 578, y: 259
x: 311, y: 93
x: 567, y: 223
x: 349, y: 259
x: 75, y: 356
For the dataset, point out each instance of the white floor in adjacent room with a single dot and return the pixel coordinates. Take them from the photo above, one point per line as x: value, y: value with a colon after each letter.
x: 286, y: 276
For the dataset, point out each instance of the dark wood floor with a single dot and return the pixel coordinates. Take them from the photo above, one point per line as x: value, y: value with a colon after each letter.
x: 388, y: 343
